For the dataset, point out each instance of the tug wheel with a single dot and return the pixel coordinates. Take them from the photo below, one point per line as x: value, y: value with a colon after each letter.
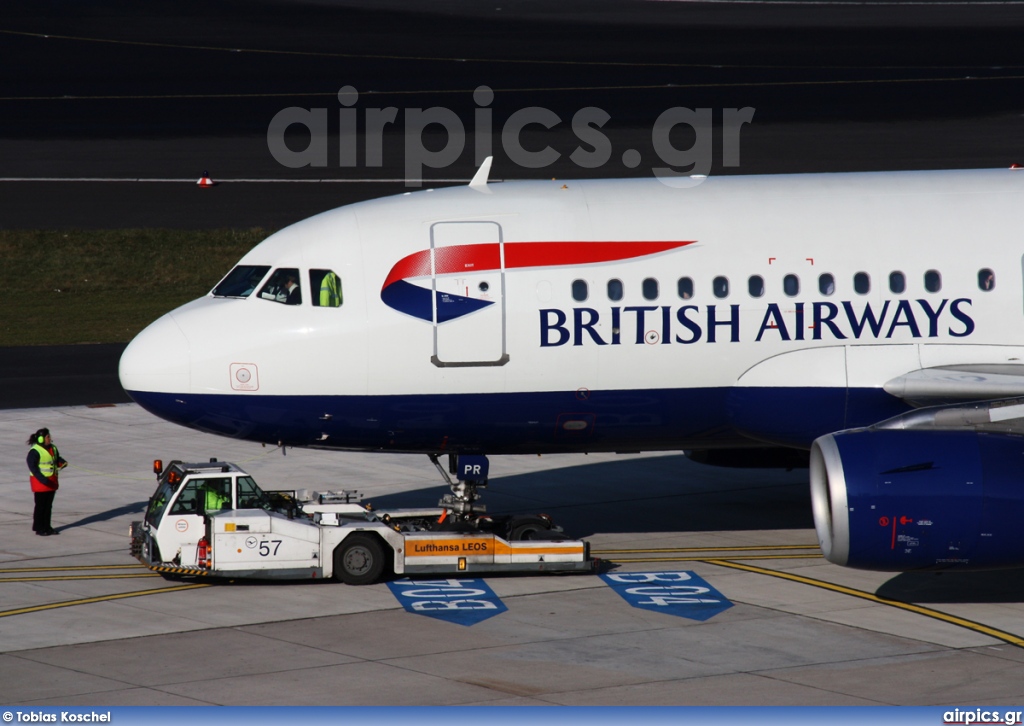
x: 533, y: 528
x: 359, y: 560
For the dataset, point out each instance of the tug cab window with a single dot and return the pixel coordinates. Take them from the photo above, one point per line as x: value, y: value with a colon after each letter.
x: 326, y: 288
x: 158, y: 503
x: 283, y: 287
x: 241, y: 281
x: 250, y: 496
x: 204, y: 495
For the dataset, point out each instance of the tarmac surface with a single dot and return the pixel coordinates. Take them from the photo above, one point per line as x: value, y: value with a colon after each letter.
x: 82, y: 623
x: 108, y: 113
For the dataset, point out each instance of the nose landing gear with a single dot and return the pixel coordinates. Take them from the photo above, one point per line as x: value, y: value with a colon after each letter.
x: 463, y: 512
x: 471, y: 475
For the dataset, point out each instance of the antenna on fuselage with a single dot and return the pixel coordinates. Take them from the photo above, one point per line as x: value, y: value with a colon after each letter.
x: 479, y: 181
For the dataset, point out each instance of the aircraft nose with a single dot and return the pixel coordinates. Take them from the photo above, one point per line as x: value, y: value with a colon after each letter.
x: 158, y: 360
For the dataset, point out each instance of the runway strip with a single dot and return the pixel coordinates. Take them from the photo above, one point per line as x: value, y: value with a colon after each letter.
x: 218, y: 181
x: 920, y: 610
x: 1006, y: 637
x: 101, y: 598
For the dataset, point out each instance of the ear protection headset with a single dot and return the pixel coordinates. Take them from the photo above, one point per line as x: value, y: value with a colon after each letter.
x: 41, y: 435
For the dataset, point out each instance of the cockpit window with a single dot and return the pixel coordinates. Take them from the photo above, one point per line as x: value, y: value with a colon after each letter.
x: 326, y: 287
x: 283, y: 287
x: 241, y: 281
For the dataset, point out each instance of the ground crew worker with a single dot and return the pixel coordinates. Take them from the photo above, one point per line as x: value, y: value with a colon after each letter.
x: 44, y: 461
x: 330, y: 291
x: 213, y: 499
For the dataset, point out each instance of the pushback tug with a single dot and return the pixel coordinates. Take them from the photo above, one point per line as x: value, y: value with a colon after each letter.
x: 211, y: 519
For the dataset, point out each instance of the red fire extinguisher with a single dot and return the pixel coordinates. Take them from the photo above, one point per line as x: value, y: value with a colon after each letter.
x: 204, y: 553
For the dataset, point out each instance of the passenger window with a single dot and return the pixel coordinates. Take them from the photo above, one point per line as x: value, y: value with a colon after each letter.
x: 826, y: 284
x: 986, y: 279
x: 861, y: 283
x: 932, y: 281
x: 897, y: 282
x: 791, y: 285
x: 283, y: 287
x: 650, y: 289
x: 327, y: 288
x: 755, y: 286
x: 241, y: 281
x: 720, y: 286
x: 615, y: 289
x: 579, y: 290
x: 685, y: 288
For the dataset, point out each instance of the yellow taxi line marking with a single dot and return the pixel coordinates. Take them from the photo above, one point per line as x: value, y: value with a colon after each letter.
x: 910, y: 607
x: 746, y: 548
x: 69, y: 567
x: 706, y: 559
x: 57, y: 578
x: 101, y: 598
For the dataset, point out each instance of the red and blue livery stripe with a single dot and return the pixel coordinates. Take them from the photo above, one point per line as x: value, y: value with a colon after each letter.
x: 401, y: 295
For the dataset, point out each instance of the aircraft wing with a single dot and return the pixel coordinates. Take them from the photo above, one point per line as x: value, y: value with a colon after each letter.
x: 958, y: 383
x: 977, y: 397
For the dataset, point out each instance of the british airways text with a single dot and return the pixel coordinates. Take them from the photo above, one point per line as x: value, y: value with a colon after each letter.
x: 686, y: 324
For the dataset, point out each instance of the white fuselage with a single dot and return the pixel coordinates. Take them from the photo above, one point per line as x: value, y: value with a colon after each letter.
x: 603, y: 315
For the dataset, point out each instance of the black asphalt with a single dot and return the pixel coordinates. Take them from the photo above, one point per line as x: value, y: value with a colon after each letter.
x: 60, y: 375
x: 167, y: 89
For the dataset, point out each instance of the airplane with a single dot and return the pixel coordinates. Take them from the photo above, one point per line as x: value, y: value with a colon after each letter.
x: 874, y: 319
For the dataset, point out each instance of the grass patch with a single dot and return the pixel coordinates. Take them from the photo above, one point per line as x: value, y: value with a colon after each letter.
x: 104, y: 286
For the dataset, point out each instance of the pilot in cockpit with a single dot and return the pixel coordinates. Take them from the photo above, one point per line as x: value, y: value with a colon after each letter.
x: 290, y: 291
x: 283, y: 287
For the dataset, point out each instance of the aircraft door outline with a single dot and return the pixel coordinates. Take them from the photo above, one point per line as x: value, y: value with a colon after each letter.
x: 467, y: 267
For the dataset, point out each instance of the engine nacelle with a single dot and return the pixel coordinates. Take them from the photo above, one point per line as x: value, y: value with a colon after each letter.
x: 898, y: 500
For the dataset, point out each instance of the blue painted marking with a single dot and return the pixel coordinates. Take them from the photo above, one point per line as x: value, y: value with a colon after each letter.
x: 462, y: 601
x: 675, y: 593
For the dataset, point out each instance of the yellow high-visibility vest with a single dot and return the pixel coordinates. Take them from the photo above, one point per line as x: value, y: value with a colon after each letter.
x: 47, y: 462
x: 330, y: 291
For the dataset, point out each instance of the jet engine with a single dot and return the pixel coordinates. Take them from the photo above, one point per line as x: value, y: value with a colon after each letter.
x: 897, y: 500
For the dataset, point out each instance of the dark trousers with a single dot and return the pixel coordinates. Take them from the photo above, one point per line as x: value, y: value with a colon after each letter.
x: 41, y: 515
